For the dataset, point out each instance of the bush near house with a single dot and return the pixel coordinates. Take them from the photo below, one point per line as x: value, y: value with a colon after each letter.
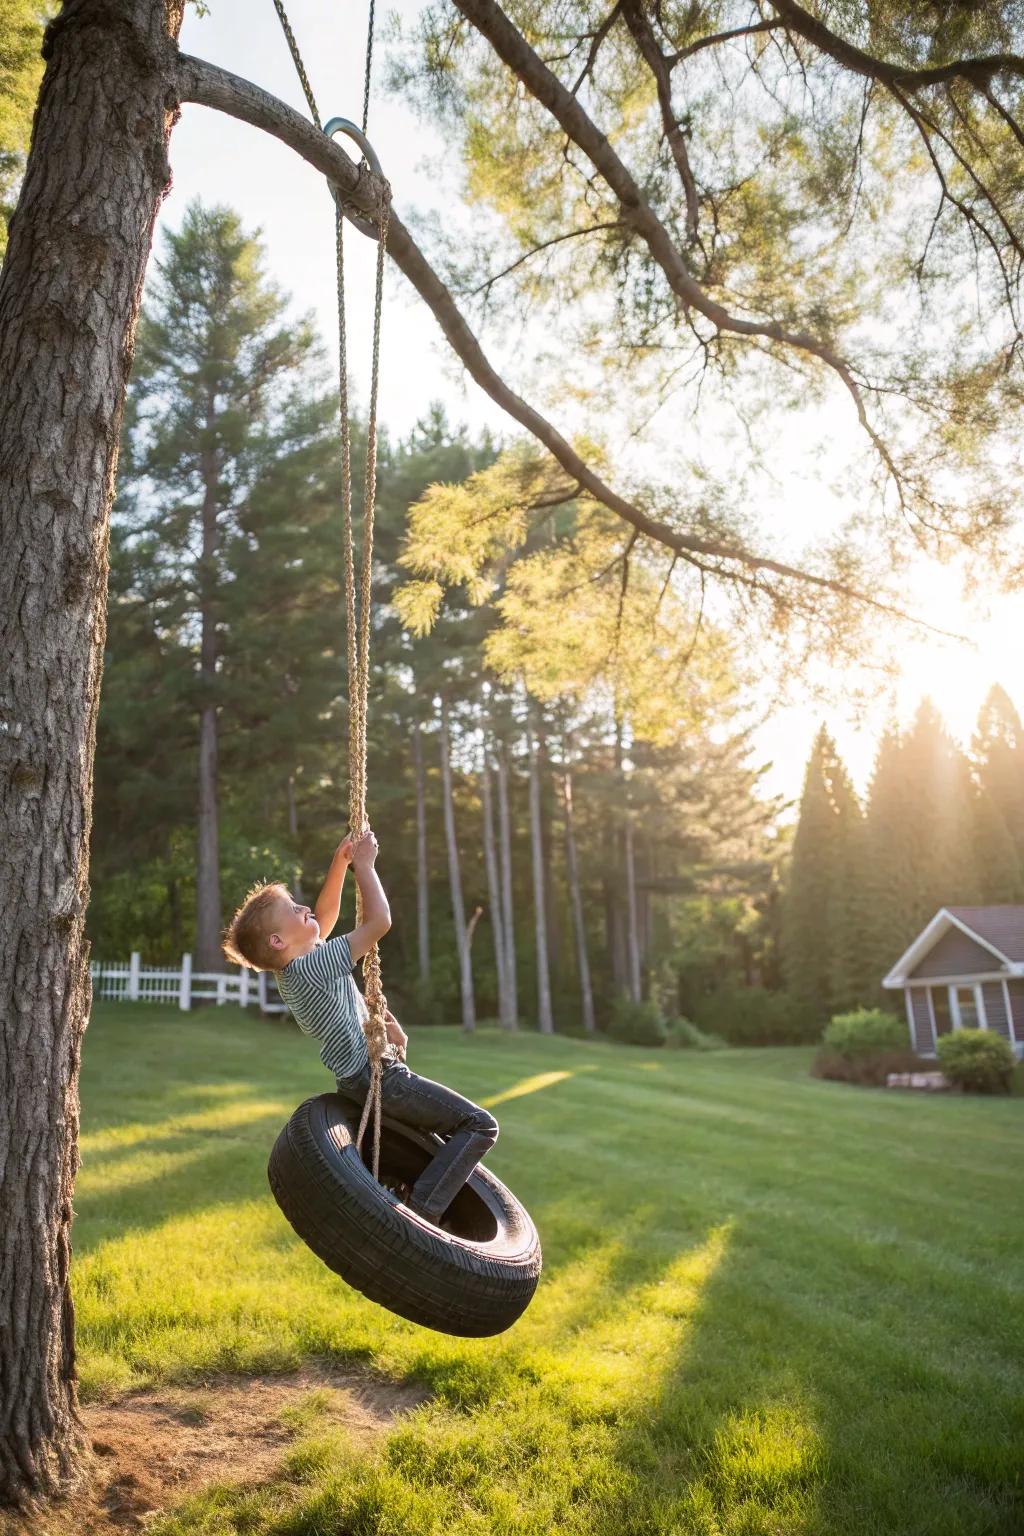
x: 864, y: 1031
x: 864, y: 1047
x: 977, y: 1061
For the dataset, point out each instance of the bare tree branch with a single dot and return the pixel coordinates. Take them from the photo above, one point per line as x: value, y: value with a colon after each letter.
x: 545, y: 245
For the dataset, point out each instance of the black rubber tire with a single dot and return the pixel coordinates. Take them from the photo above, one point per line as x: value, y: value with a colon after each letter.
x: 473, y: 1281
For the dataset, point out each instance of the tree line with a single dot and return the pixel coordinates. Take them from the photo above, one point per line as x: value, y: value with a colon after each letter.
x: 940, y: 826
x: 567, y: 809
x: 558, y: 824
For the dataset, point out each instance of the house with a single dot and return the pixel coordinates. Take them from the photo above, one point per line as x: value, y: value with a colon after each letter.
x: 964, y: 971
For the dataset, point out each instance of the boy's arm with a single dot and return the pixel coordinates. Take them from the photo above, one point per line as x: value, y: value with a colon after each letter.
x: 328, y: 903
x: 376, y: 912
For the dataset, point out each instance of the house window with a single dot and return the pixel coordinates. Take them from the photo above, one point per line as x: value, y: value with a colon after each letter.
x: 968, y: 1013
x: 940, y: 1008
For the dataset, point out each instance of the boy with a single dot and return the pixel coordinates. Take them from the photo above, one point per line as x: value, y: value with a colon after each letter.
x: 271, y: 932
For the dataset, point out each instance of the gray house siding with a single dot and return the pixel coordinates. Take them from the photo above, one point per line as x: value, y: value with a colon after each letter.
x: 995, y: 1008
x: 922, y: 1039
x: 956, y: 955
x: 1016, y: 991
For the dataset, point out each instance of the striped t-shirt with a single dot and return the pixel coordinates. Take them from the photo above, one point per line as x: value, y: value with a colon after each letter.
x: 325, y: 1002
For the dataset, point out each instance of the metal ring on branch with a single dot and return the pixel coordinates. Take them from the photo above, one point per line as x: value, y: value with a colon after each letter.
x: 351, y: 130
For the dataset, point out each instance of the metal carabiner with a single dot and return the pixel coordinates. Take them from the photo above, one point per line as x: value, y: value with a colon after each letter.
x: 346, y: 126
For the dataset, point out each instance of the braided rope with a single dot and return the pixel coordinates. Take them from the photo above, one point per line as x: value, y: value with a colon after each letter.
x: 300, y: 68
x: 369, y: 62
x: 357, y: 617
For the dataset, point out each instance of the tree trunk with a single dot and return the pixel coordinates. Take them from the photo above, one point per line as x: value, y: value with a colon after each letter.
x: 576, y: 900
x: 208, y: 955
x: 508, y: 922
x: 174, y: 919
x: 545, y: 1023
x: 422, y: 876
x: 494, y: 888
x: 547, y: 830
x: 617, y: 936
x: 462, y: 936
x: 632, y: 934
x: 69, y: 299
x: 293, y: 834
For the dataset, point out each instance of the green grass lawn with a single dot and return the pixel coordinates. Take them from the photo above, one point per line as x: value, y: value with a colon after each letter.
x: 770, y: 1305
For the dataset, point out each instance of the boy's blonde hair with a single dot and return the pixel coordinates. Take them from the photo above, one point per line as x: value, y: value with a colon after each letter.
x: 247, y: 936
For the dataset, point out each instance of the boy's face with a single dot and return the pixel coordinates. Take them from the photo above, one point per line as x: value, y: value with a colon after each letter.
x: 292, y: 926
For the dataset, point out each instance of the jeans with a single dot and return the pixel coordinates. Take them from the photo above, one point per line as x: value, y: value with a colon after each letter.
x: 469, y: 1131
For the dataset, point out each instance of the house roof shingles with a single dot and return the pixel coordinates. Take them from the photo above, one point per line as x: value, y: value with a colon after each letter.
x: 1002, y: 927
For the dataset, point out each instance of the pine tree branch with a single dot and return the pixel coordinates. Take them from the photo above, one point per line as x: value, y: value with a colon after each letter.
x: 660, y: 67
x: 208, y: 85
x: 978, y: 72
x: 510, y: 46
x: 715, y: 38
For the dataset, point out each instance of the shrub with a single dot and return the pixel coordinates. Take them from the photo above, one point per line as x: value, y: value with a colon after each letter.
x: 863, y: 1033
x: 977, y: 1060
x: 681, y: 1035
x: 753, y: 1016
x: 636, y: 1023
x: 864, y: 1047
x: 870, y: 1069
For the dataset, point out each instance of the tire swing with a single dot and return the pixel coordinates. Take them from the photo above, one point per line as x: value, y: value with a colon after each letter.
x: 478, y: 1275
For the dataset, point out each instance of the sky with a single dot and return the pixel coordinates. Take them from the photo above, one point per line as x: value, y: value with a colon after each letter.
x: 220, y: 160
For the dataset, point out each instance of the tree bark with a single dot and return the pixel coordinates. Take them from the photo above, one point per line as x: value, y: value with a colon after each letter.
x: 547, y: 827
x: 507, y: 916
x: 293, y: 834
x: 422, y: 875
x: 462, y: 935
x: 494, y: 887
x: 576, y: 900
x: 617, y: 917
x: 69, y: 300
x: 545, y: 1023
x: 632, y: 934
x: 208, y: 909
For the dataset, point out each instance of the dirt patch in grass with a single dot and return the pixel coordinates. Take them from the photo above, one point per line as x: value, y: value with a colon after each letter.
x: 150, y: 1450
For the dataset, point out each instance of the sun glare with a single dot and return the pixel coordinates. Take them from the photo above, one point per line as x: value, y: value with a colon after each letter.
x: 955, y: 674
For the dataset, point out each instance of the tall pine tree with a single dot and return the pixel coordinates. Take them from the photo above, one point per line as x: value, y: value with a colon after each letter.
x: 216, y: 369
x: 997, y: 755
x: 920, y: 839
x: 821, y: 924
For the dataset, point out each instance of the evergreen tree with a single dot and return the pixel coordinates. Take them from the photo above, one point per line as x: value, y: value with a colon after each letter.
x: 218, y: 371
x: 821, y: 924
x: 997, y: 755
x: 920, y: 839
x: 143, y: 860
x: 888, y: 878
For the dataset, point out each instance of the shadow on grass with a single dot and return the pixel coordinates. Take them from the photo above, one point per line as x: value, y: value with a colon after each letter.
x: 779, y: 1416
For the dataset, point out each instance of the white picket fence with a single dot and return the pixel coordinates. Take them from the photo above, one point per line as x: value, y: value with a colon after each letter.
x: 131, y: 981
